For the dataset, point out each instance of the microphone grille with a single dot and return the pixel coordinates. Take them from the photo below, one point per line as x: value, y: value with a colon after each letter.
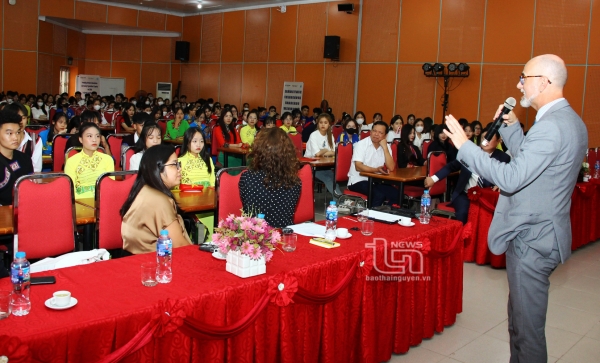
x: 510, y: 103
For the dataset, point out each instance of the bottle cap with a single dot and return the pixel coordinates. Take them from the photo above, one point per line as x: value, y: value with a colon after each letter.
x: 261, y: 216
x: 332, y: 202
x: 20, y: 254
x: 426, y: 191
x: 164, y: 232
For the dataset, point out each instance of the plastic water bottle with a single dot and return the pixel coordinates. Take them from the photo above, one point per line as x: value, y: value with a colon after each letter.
x: 164, y: 252
x: 19, y: 275
x: 597, y: 170
x: 425, y: 208
x: 331, y: 221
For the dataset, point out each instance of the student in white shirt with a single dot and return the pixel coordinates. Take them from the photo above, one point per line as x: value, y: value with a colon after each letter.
x: 322, y: 144
x: 395, y: 128
x: 31, y: 145
x: 420, y: 136
x: 360, y: 119
x: 373, y: 154
x: 39, y: 111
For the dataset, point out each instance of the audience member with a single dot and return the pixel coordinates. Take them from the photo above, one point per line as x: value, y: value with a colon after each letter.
x: 350, y: 133
x: 322, y: 144
x: 409, y: 155
x: 176, y: 127
x: 395, y: 128
x: 441, y: 143
x: 149, y: 137
x: 13, y: 163
x: 248, y: 132
x: 227, y: 136
x: 420, y: 134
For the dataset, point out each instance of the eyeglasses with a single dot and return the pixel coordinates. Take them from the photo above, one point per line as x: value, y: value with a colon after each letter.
x: 177, y: 164
x: 523, y: 76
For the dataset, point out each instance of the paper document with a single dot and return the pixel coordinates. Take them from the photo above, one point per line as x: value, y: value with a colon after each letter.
x: 309, y: 229
x: 385, y: 217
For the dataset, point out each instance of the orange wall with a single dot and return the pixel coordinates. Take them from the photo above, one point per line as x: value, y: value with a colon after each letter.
x: 245, y: 56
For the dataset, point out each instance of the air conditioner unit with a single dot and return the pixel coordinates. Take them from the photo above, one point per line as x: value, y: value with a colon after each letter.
x: 164, y: 90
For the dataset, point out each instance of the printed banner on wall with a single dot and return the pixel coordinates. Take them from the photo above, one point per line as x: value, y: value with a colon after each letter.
x: 292, y: 96
x: 88, y: 84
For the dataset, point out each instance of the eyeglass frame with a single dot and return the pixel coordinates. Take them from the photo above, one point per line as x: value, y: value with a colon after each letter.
x: 522, y: 78
x: 177, y: 164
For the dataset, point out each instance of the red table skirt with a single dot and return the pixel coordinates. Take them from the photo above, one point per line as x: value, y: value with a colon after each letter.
x: 365, y: 322
x: 585, y: 221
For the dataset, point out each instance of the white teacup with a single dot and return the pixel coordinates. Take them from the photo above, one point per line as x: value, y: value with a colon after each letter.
x: 61, y: 298
x: 404, y: 220
x: 342, y: 232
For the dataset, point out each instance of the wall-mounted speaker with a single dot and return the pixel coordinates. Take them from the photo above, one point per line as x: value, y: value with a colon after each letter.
x: 182, y: 51
x: 349, y: 8
x: 332, y: 47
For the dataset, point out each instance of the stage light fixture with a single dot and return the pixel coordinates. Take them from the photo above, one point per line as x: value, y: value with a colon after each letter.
x: 427, y: 67
x: 452, y: 67
x: 463, y: 67
x: 438, y: 68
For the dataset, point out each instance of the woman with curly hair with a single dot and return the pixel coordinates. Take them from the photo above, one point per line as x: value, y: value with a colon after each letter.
x: 271, y: 186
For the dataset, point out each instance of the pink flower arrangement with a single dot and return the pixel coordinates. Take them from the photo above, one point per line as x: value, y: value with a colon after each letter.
x: 252, y: 236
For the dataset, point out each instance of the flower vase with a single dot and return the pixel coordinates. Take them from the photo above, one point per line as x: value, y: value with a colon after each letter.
x: 243, y: 266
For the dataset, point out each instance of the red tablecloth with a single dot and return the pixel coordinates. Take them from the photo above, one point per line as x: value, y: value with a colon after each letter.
x: 585, y: 221
x: 366, y: 322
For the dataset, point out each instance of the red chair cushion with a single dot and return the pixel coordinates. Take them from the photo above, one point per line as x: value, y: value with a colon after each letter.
x: 111, y: 196
x: 445, y: 207
x: 355, y: 194
x: 230, y: 201
x: 413, y: 192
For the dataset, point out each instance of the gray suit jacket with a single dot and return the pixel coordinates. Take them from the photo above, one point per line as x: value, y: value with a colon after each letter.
x: 537, y: 184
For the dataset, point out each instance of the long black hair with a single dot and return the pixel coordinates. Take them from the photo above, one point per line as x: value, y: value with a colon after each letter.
x: 148, y: 129
x: 55, y: 119
x: 439, y: 129
x: 406, y: 144
x: 151, y: 166
x: 187, y: 139
x: 227, y: 129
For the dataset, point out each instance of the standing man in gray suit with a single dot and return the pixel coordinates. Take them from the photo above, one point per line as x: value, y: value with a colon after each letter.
x: 531, y: 222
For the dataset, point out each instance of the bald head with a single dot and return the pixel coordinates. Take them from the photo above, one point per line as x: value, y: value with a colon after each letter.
x: 551, y: 66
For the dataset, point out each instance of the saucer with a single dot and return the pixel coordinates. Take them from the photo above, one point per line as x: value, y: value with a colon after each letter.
x: 407, y: 225
x: 347, y: 236
x: 48, y: 304
x: 217, y: 255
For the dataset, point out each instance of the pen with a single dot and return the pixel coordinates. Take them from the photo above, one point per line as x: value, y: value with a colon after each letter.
x: 322, y: 240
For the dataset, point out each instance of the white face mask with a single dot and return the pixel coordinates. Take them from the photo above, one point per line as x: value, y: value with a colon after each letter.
x: 81, y: 102
x: 210, y: 104
x: 244, y: 123
x: 96, y: 107
x: 164, y: 113
x: 360, y: 121
x: 133, y: 102
x: 419, y: 128
x: 9, y: 101
x: 147, y: 102
x: 149, y: 112
x: 160, y: 103
x: 40, y: 104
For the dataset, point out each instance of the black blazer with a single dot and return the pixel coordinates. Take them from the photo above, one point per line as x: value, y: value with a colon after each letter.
x: 465, y: 174
x: 403, y: 160
x: 129, y: 140
x: 450, y: 151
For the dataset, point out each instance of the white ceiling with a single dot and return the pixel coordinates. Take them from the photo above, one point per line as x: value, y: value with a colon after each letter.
x: 190, y: 7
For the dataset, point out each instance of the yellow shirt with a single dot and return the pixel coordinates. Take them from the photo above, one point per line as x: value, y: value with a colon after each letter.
x: 195, y: 172
x: 84, y: 170
x: 248, y: 134
x: 291, y: 129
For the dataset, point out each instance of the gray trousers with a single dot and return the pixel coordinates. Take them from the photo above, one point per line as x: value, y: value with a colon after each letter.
x: 528, y: 280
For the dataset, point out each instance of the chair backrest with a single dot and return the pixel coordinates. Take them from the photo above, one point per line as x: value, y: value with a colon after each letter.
x: 343, y: 160
x: 336, y: 131
x: 591, y: 158
x: 36, y: 129
x: 364, y: 134
x: 118, y: 120
x: 108, y: 116
x: 305, y: 209
x: 59, y: 142
x: 110, y: 196
x: 229, y: 201
x: 425, y: 147
x: 297, y: 141
x: 177, y: 150
x: 435, y: 161
x: 163, y: 127
x: 394, y: 147
x: 114, y: 142
x: 49, y: 231
x: 213, y: 140
x: 51, y: 113
x: 126, y: 157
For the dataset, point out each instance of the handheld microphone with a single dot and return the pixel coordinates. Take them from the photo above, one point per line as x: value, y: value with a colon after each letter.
x: 509, y: 104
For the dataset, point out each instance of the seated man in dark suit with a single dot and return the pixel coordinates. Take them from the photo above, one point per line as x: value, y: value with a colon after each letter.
x: 467, y: 179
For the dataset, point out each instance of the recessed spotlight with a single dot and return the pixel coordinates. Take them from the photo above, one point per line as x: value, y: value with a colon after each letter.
x: 199, y: 6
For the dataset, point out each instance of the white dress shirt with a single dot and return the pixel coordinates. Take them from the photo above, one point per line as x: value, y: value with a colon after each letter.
x: 365, y: 152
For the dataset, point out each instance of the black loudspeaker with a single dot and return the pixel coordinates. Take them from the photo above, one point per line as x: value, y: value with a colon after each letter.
x: 349, y: 8
x: 182, y: 51
x: 332, y: 47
